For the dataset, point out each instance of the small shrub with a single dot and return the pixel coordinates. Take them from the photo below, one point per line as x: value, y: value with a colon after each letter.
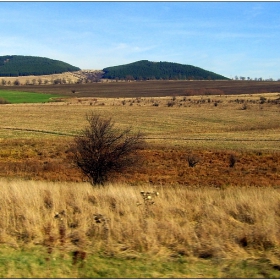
x: 101, y: 149
x: 193, y: 160
x: 262, y: 100
x: 170, y: 103
x: 232, y: 160
x: 4, y: 101
x: 244, y: 106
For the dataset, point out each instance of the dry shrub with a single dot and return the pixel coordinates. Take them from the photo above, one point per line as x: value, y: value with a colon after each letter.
x: 4, y: 101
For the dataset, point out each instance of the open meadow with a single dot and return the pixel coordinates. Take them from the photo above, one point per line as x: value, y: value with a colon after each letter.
x: 217, y: 219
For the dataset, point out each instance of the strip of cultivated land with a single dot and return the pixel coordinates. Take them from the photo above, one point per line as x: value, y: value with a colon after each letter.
x: 149, y: 88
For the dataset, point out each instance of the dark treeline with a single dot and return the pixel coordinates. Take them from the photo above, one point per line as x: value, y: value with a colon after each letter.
x: 18, y: 65
x: 147, y: 70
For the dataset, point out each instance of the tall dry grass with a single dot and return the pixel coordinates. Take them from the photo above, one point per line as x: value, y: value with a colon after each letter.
x: 115, y: 219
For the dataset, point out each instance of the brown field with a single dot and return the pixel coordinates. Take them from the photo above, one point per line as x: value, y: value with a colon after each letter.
x: 211, y: 212
x: 150, y: 88
x: 36, y: 138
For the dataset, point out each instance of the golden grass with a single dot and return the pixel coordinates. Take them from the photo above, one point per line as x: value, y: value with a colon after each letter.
x: 192, y: 123
x: 193, y: 222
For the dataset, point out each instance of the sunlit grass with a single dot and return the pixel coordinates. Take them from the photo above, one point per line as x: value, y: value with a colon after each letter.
x: 186, y: 231
x: 192, y: 124
x: 26, y: 97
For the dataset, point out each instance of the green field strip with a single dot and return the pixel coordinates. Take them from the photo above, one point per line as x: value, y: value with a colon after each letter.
x: 16, y: 97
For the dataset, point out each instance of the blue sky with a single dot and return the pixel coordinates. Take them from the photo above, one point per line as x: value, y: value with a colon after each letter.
x: 228, y: 38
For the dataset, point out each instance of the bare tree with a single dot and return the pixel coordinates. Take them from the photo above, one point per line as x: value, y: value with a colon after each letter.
x: 101, y: 150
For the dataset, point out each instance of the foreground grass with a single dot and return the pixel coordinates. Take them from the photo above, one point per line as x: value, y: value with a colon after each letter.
x: 186, y: 232
x: 26, y: 97
x: 32, y: 263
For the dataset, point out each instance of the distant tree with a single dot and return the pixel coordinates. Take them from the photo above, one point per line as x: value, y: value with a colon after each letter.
x: 57, y: 81
x: 232, y: 160
x: 101, y: 149
x: 17, y: 82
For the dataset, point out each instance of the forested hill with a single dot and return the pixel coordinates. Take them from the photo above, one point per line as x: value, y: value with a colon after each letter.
x: 147, y: 70
x: 18, y: 65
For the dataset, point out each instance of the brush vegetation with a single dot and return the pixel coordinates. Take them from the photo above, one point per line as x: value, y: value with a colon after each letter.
x: 19, y: 65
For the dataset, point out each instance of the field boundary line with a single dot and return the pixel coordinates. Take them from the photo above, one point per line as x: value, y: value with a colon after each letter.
x: 210, y: 139
x: 149, y: 138
x: 39, y: 131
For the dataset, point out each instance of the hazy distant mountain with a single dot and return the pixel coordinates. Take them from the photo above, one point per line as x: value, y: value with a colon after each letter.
x: 147, y: 70
x: 19, y: 65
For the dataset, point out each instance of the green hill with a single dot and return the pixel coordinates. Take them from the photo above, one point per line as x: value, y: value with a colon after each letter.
x: 147, y: 70
x: 19, y: 65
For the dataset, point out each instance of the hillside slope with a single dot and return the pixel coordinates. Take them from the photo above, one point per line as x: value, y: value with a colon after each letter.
x: 19, y: 65
x: 147, y: 70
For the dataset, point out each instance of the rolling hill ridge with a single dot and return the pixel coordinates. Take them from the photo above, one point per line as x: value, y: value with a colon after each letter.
x: 19, y: 65
x: 147, y: 70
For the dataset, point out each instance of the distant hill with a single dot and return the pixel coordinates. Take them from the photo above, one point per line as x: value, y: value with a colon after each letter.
x: 19, y: 65
x: 147, y: 70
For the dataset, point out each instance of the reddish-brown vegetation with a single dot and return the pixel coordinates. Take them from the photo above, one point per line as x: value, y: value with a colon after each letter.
x: 52, y: 161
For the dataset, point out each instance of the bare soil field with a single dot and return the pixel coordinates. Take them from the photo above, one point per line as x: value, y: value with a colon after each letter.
x: 149, y: 88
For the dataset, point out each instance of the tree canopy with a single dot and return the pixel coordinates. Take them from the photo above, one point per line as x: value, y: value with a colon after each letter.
x: 147, y: 70
x: 18, y: 65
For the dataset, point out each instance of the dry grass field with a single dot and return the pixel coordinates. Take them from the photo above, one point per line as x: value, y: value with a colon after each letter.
x: 237, y: 224
x: 36, y: 138
x: 210, y: 220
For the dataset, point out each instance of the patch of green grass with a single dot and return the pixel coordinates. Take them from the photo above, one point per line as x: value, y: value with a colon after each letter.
x: 26, y: 97
x: 36, y: 263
